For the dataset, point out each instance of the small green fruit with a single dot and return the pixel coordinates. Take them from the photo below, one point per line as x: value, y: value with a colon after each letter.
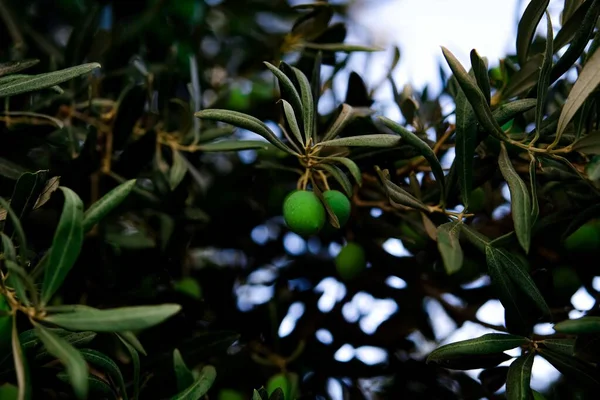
x: 230, y: 394
x: 5, y: 327
x: 287, y: 382
x: 303, y: 213
x: 566, y: 282
x: 476, y: 200
x: 586, y: 238
x: 351, y: 261
x: 340, y: 205
x: 190, y: 287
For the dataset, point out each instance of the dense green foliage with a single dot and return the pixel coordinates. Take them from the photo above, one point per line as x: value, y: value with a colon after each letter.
x: 134, y: 230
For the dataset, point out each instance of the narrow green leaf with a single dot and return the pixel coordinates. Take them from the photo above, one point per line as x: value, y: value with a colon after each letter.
x: 308, y: 105
x: 448, y: 243
x: 475, y: 238
x: 474, y: 96
x: 106, y: 204
x: 466, y: 136
x: 579, y: 326
x: 256, y: 395
x: 506, y: 263
x: 18, y: 229
x: 42, y: 81
x: 183, y: 375
x: 233, y: 145
x: 340, y: 177
x: 200, y: 387
x: 347, y: 115
x: 20, y: 281
x: 519, y: 378
x: 480, y: 69
x: 519, y: 198
x: 292, y: 122
x: 96, y: 386
x: 572, y: 24
x: 104, y: 363
x: 535, y: 208
x: 114, y: 320
x: 586, y: 83
x: 527, y: 27
x: 589, y: 144
x: 21, y: 367
x: 509, y: 111
x: 135, y: 359
x: 544, y: 78
x: 579, y: 42
x: 315, y: 86
x: 565, y: 346
x: 286, y: 86
x: 573, y: 368
x: 24, y: 195
x: 423, y: 148
x: 72, y: 359
x: 66, y: 244
x: 348, y: 163
x: 244, y: 121
x: 489, y: 343
x: 345, y: 47
x: 12, y: 67
x: 75, y: 339
x: 132, y: 339
x: 178, y: 170
x: 398, y: 195
x: 524, y: 79
x: 375, y: 140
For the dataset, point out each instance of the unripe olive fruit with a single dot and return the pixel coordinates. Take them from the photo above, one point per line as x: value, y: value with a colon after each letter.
x: 586, y: 238
x: 340, y: 205
x: 303, y: 213
x: 350, y: 261
x: 5, y: 327
x: 287, y: 382
x: 230, y: 394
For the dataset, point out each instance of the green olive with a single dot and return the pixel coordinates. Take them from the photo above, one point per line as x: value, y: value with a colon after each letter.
x: 340, y: 205
x: 303, y: 213
x: 351, y: 261
x: 287, y: 383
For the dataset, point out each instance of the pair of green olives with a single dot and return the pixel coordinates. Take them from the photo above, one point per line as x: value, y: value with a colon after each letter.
x: 305, y: 215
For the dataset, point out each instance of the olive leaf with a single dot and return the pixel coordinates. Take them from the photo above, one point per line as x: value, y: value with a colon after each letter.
x: 72, y: 359
x: 423, y: 148
x: 573, y: 368
x: 397, y: 194
x: 519, y: 197
x: 308, y: 105
x: 474, y: 96
x: 200, y: 386
x: 535, y: 208
x: 475, y: 238
x: 374, y: 140
x: 481, y: 74
x: 589, y: 144
x: 135, y: 360
x: 527, y: 26
x: 244, y: 121
x: 348, y: 163
x: 183, y: 375
x: 21, y: 365
x: 565, y: 346
x: 489, y: 343
x: 43, y: 81
x: 466, y: 135
x: 104, y: 363
x: 292, y: 122
x: 11, y: 67
x: 347, y: 114
x: 506, y: 266
x: 577, y: 326
x: 339, y: 176
x: 544, y: 78
x: 178, y: 170
x: 24, y: 195
x: 586, y: 83
x: 106, y: 204
x: 233, y: 145
x: 519, y: 378
x: 524, y: 79
x: 286, y: 86
x: 573, y: 23
x: 114, y: 320
x: 66, y: 244
x: 17, y: 228
x: 448, y: 235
